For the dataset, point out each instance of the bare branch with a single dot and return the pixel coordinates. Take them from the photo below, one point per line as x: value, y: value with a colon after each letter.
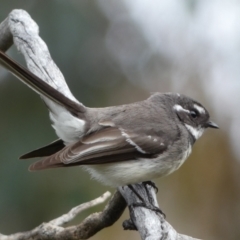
x: 75, y: 211
x: 27, y: 40
x: 6, y: 39
x: 150, y: 224
x: 90, y: 226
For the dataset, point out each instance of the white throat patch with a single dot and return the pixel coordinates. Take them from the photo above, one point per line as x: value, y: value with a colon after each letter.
x: 196, y: 132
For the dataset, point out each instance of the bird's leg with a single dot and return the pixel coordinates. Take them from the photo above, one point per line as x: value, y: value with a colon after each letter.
x: 153, y: 185
x: 135, y: 192
x: 143, y: 203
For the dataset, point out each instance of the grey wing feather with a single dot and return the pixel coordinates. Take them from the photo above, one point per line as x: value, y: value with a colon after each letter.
x: 105, y: 146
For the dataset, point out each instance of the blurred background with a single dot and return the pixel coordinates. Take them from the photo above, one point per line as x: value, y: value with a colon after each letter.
x: 117, y: 52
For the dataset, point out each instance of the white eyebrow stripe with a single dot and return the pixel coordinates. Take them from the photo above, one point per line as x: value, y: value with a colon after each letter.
x: 199, y: 108
x: 180, y: 108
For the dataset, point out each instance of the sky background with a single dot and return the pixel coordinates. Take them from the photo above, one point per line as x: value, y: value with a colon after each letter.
x: 117, y: 52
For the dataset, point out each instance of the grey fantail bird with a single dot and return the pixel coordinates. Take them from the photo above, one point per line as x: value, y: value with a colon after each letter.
x: 117, y: 145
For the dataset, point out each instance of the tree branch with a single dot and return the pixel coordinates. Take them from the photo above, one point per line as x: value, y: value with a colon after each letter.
x: 6, y: 39
x: 89, y: 226
x: 150, y: 224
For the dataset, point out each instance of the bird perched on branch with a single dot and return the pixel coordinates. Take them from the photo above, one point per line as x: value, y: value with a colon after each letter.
x: 117, y: 145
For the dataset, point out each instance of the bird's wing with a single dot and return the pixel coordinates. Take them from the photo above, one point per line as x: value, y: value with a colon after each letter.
x: 47, y: 150
x: 108, y: 145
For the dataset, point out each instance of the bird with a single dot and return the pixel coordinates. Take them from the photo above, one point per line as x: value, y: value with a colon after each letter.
x: 117, y: 145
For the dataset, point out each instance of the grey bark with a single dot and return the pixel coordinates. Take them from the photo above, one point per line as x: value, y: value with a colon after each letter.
x: 6, y: 39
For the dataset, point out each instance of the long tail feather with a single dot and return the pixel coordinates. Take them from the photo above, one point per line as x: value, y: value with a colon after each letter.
x: 39, y: 86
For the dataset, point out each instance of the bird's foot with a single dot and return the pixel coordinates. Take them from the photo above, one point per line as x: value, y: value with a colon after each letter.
x: 152, y: 184
x: 150, y: 207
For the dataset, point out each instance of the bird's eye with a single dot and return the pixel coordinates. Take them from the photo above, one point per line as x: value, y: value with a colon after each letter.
x: 193, y: 114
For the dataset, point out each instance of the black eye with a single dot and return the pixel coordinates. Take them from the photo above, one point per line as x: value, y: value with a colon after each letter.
x: 194, y: 114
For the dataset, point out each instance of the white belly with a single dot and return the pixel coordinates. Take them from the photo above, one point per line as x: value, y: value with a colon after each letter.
x: 135, y: 171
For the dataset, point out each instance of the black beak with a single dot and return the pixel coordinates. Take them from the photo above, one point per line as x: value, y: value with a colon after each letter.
x: 212, y: 124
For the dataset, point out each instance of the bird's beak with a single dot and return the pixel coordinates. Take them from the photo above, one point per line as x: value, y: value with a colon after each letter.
x: 212, y: 124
